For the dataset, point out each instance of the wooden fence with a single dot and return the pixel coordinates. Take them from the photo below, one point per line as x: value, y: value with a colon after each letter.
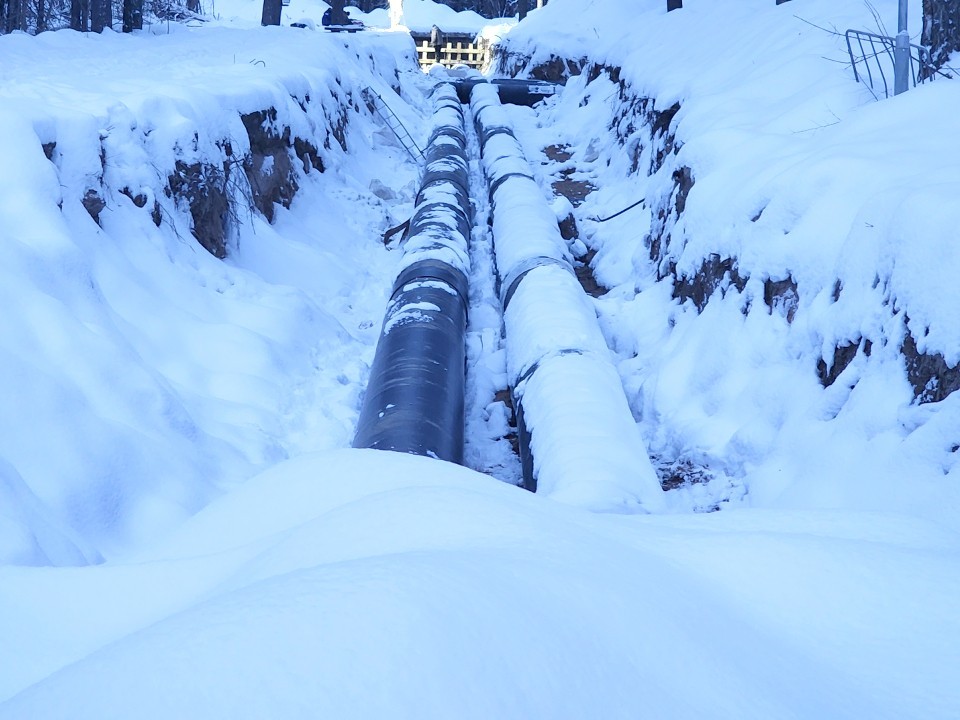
x: 453, y: 52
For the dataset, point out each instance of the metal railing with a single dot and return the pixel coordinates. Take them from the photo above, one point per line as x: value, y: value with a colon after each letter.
x: 874, y: 64
x: 372, y: 97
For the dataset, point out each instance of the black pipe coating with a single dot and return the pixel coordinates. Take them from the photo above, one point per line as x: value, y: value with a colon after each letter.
x: 414, y: 401
x: 510, y: 90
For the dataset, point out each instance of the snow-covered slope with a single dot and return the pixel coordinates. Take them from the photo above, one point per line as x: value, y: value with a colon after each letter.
x: 783, y: 295
x: 143, y: 374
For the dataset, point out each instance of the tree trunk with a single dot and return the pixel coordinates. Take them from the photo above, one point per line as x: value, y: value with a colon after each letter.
x: 941, y: 29
x: 16, y: 15
x: 674, y: 5
x: 101, y: 15
x: 523, y: 8
x: 41, y: 15
x: 76, y: 16
x: 271, y: 12
x: 132, y: 15
x: 338, y: 16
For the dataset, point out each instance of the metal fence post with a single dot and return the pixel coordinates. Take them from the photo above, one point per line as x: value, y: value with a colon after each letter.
x: 901, y: 63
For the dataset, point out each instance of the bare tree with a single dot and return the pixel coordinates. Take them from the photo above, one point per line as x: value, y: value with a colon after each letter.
x: 498, y: 8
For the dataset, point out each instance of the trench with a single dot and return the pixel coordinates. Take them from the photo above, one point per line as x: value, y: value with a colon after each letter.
x: 537, y: 333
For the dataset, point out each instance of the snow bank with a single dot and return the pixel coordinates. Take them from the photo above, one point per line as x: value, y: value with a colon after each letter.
x: 144, y: 375
x: 780, y: 298
x: 368, y: 584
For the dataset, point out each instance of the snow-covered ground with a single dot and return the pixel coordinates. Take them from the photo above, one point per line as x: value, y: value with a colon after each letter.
x: 185, y: 532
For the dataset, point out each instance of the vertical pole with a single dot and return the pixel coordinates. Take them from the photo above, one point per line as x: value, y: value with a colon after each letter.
x: 901, y: 53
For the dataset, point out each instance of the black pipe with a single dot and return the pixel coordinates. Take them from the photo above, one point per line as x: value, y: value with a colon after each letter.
x: 414, y: 401
x: 511, y: 90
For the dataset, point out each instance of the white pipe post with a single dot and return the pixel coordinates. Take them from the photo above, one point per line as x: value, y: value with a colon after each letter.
x: 901, y: 53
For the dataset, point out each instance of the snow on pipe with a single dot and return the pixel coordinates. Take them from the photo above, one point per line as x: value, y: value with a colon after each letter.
x: 415, y: 398
x: 579, y: 442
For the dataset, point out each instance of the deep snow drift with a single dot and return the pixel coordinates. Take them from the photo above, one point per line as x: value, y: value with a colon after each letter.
x: 185, y: 533
x: 357, y: 584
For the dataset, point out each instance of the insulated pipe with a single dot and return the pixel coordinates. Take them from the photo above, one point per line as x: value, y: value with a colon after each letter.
x: 510, y: 90
x: 415, y: 397
x: 579, y: 442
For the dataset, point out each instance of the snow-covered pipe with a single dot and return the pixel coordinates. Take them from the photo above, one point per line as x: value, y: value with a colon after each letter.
x: 415, y: 397
x: 579, y: 442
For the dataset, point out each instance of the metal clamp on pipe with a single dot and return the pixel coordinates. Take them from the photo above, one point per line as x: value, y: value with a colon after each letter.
x: 509, y: 283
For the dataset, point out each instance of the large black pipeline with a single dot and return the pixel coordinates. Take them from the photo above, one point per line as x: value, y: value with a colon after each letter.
x: 415, y: 397
x: 510, y: 90
x: 578, y: 439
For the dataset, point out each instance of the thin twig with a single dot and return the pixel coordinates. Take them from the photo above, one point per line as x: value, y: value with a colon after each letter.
x: 816, y: 127
x: 877, y: 19
x: 820, y: 27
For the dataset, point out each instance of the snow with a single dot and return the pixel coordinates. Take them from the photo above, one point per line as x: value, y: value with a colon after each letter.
x: 461, y: 603
x: 185, y: 533
x: 421, y: 15
x: 148, y: 416
x: 409, y: 312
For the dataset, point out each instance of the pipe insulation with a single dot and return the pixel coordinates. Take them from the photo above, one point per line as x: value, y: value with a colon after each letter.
x: 414, y: 401
x: 579, y: 442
